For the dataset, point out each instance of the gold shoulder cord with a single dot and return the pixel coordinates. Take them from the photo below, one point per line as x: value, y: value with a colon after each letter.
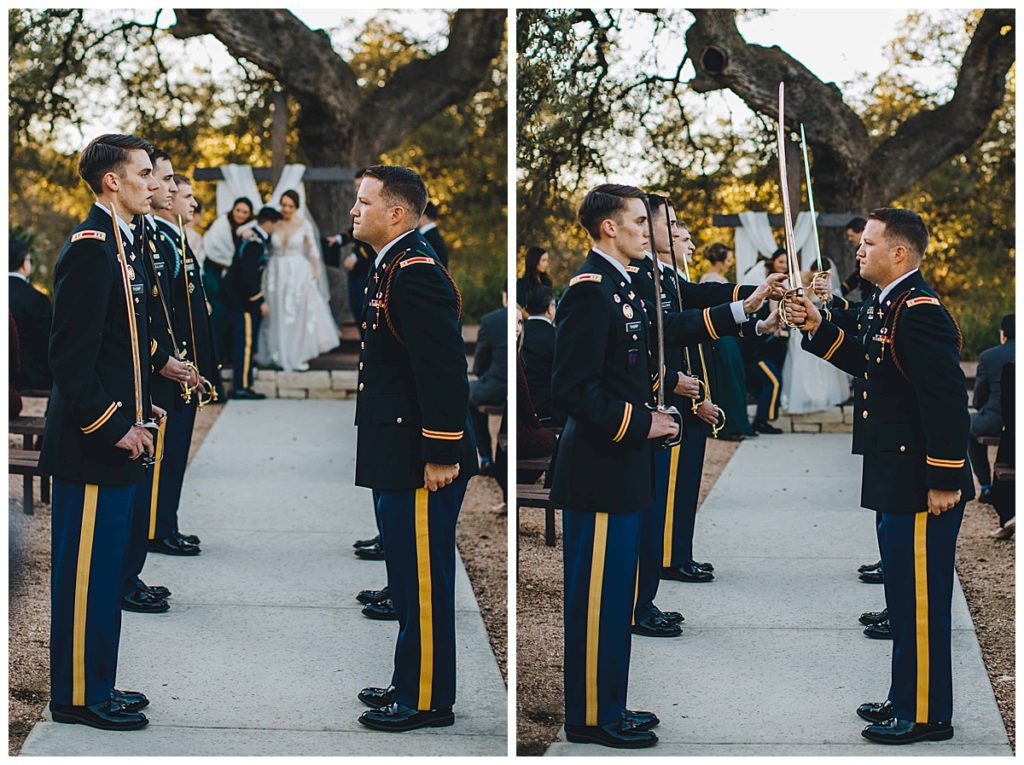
x: 211, y: 391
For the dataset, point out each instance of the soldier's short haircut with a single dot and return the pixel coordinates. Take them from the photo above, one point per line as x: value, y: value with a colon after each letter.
x: 402, y: 187
x: 604, y: 202
x: 903, y: 227
x: 268, y: 214
x: 1007, y: 325
x: 108, y: 153
x: 17, y: 250
x: 856, y: 225
x: 155, y: 155
x: 431, y: 211
x: 180, y: 179
x: 538, y: 299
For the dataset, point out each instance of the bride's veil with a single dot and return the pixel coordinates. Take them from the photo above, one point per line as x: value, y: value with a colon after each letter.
x: 291, y: 178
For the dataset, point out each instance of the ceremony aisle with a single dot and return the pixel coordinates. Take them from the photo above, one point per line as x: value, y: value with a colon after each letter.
x: 264, y: 648
x: 772, y: 660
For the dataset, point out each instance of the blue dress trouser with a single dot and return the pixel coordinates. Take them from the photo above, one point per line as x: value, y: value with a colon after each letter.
x: 177, y: 442
x: 681, y: 516
x: 770, y: 378
x: 418, y: 529
x: 245, y: 329
x: 144, y: 512
x: 918, y: 553
x: 89, y: 536
x: 600, y: 564
x: 652, y: 532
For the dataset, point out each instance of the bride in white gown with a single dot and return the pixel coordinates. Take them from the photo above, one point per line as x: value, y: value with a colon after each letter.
x: 300, y: 326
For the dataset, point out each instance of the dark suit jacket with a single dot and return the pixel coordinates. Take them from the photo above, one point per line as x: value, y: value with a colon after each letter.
x: 33, y: 315
x: 538, y: 354
x: 435, y: 240
x: 490, y: 362
x: 987, y: 385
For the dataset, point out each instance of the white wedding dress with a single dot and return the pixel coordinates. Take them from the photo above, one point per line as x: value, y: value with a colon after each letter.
x: 300, y: 326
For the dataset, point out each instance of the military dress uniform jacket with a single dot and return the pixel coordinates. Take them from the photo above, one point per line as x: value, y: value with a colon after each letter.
x: 412, y: 405
x: 188, y: 291
x: 605, y: 377
x: 242, y: 286
x: 93, y: 405
x: 914, y: 422
x: 852, y: 319
x: 160, y: 262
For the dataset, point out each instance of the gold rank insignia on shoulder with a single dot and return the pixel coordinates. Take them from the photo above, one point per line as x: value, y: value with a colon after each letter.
x: 633, y: 269
x: 595, y: 278
x: 99, y: 236
x: 414, y: 261
x: 922, y: 301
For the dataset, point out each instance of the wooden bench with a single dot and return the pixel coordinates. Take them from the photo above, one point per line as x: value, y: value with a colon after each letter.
x: 29, y: 427
x: 534, y: 463
x: 26, y: 463
x: 988, y: 440
x: 1003, y: 472
x: 531, y: 495
x: 492, y: 409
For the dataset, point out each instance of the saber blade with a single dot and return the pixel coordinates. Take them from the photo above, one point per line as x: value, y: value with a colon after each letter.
x: 810, y: 196
x: 787, y: 211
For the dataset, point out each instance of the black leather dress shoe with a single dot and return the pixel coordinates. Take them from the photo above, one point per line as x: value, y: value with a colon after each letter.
x: 105, y: 715
x: 874, y: 617
x: 132, y: 701
x: 672, y: 617
x: 367, y: 542
x: 985, y: 497
x: 687, y: 573
x: 640, y: 720
x: 248, y: 394
x: 396, y: 718
x: 763, y: 427
x: 875, y: 712
x: 880, y: 631
x: 191, y: 539
x: 372, y: 596
x: 159, y: 591
x: 655, y: 626
x: 619, y: 735
x: 385, y: 611
x: 142, y: 602
x: 375, y: 698
x: 868, y: 567
x: 703, y: 566
x: 373, y: 552
x: 872, y: 577
x: 172, y: 546
x: 895, y: 731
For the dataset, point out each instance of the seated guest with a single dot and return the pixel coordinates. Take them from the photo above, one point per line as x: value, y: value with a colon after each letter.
x: 490, y: 366
x: 13, y: 367
x: 988, y: 420
x: 32, y: 314
x: 538, y: 351
x: 532, y: 438
x: 1002, y: 489
x: 853, y: 282
x: 535, y: 275
x: 428, y: 227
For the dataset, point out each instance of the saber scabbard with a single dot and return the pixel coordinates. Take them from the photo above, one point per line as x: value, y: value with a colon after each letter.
x: 668, y: 442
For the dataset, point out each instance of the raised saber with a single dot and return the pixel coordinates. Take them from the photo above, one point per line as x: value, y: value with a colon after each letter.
x: 794, y: 267
x: 666, y: 443
x: 821, y: 274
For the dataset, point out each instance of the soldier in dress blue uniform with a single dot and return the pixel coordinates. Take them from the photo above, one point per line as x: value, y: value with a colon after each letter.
x: 667, y: 535
x: 916, y: 473
x: 95, y: 434
x: 415, y: 447
x: 605, y: 377
x: 243, y: 295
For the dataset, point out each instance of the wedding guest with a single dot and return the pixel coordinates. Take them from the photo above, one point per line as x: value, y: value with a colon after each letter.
x: 535, y: 275
x: 32, y: 314
x: 195, y: 239
x: 766, y: 356
x: 13, y: 367
x: 220, y: 242
x: 490, y: 365
x: 538, y: 351
x: 988, y: 419
x: 357, y: 262
x: 428, y: 227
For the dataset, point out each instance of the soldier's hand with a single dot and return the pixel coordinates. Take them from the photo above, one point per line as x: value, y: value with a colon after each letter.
x: 180, y: 373
x: 772, y: 287
x: 687, y: 386
x: 333, y: 239
x: 769, y: 325
x: 708, y: 412
x: 940, y: 501
x: 158, y: 413
x: 663, y: 425
x: 350, y: 261
x: 436, y: 476
x: 822, y: 286
x: 136, y: 442
x: 264, y: 310
x: 804, y: 313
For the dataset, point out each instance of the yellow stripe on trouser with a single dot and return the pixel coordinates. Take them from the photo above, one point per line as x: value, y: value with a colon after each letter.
x: 775, y: 389
x: 670, y: 507
x: 426, y: 600
x: 248, y: 350
x: 594, y: 611
x: 921, y: 600
x: 158, y: 454
x: 636, y: 592
x: 82, y: 594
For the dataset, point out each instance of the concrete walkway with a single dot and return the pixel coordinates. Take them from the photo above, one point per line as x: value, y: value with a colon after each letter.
x: 264, y: 648
x: 772, y: 660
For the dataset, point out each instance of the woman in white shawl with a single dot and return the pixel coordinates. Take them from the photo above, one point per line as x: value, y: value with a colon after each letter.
x: 220, y: 242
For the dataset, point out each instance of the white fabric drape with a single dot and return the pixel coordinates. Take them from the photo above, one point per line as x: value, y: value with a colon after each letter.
x: 753, y: 236
x: 239, y: 181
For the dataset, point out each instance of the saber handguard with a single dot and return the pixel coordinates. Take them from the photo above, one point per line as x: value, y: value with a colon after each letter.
x: 702, y: 395
x: 667, y: 442
x: 824, y: 277
x: 789, y: 297
x: 154, y: 430
x: 718, y: 426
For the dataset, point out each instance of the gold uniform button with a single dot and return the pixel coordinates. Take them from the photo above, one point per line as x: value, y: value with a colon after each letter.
x: 864, y: 414
x: 865, y: 395
x: 360, y: 366
x: 375, y: 326
x: 362, y: 385
x: 866, y: 357
x: 878, y: 360
x: 865, y: 375
x: 903, y: 448
x: 364, y: 327
x: 365, y: 290
x: 398, y: 420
